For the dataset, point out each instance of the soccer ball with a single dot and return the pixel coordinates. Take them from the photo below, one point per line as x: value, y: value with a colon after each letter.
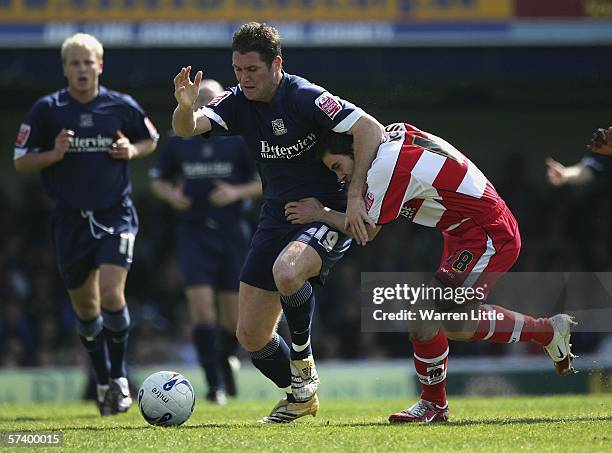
x: 166, y: 398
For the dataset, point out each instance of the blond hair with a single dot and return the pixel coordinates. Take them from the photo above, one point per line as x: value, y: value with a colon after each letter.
x: 84, y: 40
x: 209, y: 89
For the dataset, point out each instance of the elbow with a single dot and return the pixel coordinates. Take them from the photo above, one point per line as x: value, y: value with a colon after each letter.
x: 19, y: 165
x: 180, y: 132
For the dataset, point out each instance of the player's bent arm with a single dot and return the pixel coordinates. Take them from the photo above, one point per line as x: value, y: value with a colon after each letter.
x: 249, y: 190
x: 337, y: 220
x: 163, y: 190
x: 367, y: 134
x: 578, y: 174
x: 187, y: 123
x: 144, y: 147
x: 37, y: 161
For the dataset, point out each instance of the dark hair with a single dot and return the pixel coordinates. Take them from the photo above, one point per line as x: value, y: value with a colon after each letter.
x: 334, y: 143
x: 261, y: 38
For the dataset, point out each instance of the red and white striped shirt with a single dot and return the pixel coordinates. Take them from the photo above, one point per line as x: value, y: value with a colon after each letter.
x: 426, y: 179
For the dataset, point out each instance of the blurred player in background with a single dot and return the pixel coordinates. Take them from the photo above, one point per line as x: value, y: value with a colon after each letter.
x: 281, y: 118
x: 205, y: 181
x: 598, y: 163
x: 425, y: 179
x: 81, y: 139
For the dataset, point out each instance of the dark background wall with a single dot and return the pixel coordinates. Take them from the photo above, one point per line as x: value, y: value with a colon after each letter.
x: 489, y: 102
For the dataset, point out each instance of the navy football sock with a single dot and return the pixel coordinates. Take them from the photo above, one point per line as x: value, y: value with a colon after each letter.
x: 206, y: 343
x: 273, y: 361
x: 229, y: 343
x: 92, y: 338
x: 299, y: 309
x: 116, y: 329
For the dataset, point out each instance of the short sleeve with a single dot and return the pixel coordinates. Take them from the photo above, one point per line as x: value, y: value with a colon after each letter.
x: 220, y: 112
x: 137, y: 125
x: 600, y: 164
x: 324, y: 109
x: 31, y: 136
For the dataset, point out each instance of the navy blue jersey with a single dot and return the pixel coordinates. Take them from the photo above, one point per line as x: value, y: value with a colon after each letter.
x: 282, y: 136
x: 197, y: 162
x: 87, y: 177
x: 600, y: 164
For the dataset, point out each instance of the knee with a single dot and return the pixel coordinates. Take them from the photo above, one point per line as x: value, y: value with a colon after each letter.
x: 459, y: 335
x: 251, y: 339
x: 422, y: 335
x: 112, y: 298
x: 86, y: 308
x: 287, y: 279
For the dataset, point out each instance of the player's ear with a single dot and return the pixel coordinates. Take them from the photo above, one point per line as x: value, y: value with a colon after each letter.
x: 277, y: 63
x: 101, y: 68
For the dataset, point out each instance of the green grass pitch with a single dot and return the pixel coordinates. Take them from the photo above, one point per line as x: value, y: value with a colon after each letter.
x: 559, y: 423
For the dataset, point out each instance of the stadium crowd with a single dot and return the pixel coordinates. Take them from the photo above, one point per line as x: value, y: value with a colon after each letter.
x: 564, y: 229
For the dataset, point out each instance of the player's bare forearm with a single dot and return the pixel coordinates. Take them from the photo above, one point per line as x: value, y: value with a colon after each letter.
x: 187, y: 123
x: 37, y: 161
x: 367, y: 135
x: 249, y: 190
x: 144, y: 147
x: 578, y: 174
x: 334, y: 218
x: 162, y: 189
x: 183, y: 122
x: 337, y: 219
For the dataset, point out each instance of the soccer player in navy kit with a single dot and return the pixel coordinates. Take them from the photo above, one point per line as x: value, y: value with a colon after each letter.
x: 281, y: 118
x: 81, y: 139
x: 206, y: 180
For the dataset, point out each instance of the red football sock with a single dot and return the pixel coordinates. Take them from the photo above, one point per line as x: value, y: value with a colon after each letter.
x: 430, y: 361
x: 512, y: 328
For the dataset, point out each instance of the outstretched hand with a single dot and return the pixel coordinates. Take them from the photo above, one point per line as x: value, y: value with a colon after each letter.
x: 555, y: 173
x: 185, y: 91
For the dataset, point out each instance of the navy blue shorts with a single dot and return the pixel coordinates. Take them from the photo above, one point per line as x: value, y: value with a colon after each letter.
x: 83, y: 240
x: 267, y: 244
x: 208, y: 256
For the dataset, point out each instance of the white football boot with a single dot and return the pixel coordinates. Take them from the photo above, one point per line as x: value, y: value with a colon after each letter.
x: 560, y: 348
x: 118, y: 395
x: 304, y: 379
x: 286, y: 411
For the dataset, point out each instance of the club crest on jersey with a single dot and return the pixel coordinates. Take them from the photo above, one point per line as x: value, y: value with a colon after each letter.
x: 86, y: 120
x: 23, y: 134
x: 278, y: 127
x: 328, y: 104
x: 217, y: 100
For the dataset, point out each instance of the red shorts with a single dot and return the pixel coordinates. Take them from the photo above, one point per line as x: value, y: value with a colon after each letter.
x: 477, y: 253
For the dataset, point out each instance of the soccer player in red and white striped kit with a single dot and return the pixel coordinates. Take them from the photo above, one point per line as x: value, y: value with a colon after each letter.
x: 424, y: 178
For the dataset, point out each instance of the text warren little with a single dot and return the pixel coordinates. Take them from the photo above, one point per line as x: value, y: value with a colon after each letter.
x: 434, y: 315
